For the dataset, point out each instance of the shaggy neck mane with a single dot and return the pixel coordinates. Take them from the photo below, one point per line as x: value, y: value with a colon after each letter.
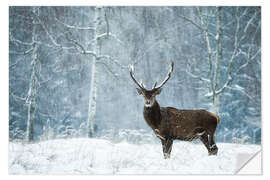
x: 152, y: 115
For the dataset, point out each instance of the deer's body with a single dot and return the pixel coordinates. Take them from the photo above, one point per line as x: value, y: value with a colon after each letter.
x: 170, y: 123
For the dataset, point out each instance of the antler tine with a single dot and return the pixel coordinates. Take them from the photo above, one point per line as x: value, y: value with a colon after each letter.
x: 154, y: 85
x: 167, y: 78
x: 142, y: 85
x: 131, y: 68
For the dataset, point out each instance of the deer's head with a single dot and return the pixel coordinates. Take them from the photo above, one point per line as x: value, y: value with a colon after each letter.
x: 150, y: 95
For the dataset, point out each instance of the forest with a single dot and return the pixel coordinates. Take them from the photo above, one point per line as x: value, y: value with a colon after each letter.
x: 69, y: 69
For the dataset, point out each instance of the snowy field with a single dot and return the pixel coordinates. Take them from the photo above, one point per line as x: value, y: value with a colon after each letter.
x: 96, y: 156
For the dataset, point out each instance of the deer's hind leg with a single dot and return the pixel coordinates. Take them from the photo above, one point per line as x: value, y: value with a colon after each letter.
x: 202, y: 134
x: 167, y: 147
x: 212, y: 145
x: 205, y: 141
x: 209, y: 143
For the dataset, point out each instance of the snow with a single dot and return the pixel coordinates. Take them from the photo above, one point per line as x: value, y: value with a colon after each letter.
x: 97, y: 156
x: 237, y: 87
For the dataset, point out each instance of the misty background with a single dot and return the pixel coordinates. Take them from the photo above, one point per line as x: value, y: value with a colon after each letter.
x: 68, y: 69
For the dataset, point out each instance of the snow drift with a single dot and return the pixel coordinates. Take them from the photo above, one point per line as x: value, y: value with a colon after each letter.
x: 96, y: 156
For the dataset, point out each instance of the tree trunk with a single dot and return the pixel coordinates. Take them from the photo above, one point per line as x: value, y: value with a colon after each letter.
x: 32, y: 92
x: 94, y: 75
x: 31, y: 99
x: 92, y: 99
x: 216, y: 103
x: 218, y: 59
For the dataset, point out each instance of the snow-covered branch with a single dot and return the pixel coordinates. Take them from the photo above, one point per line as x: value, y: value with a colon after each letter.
x: 241, y: 90
x: 228, y: 82
x: 14, y: 64
x: 80, y: 47
x: 115, y: 75
x: 13, y: 39
x: 113, y: 60
x: 250, y: 21
x: 196, y: 25
x: 197, y: 77
x: 20, y: 53
x: 46, y: 29
x: 106, y: 35
x: 256, y: 54
x: 192, y: 22
x: 74, y: 26
x: 18, y: 98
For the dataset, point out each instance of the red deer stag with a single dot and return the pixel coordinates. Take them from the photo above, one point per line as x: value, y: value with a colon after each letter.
x: 169, y: 123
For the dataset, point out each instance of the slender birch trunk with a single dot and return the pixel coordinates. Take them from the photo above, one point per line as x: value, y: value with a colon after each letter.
x: 32, y: 92
x: 218, y: 59
x: 94, y: 75
x: 31, y: 99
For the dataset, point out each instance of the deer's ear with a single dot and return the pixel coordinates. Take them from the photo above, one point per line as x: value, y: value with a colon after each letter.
x: 139, y: 90
x: 158, y: 91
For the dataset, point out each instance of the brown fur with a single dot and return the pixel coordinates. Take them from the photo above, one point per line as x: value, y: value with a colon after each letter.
x: 179, y: 124
x: 170, y: 123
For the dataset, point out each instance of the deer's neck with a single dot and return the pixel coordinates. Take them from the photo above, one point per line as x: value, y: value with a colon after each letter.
x: 152, y: 115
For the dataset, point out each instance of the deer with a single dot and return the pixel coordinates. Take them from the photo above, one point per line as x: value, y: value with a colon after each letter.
x: 169, y: 123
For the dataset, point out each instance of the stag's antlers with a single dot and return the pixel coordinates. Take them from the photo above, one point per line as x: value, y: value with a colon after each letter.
x: 131, y: 69
x: 166, y: 79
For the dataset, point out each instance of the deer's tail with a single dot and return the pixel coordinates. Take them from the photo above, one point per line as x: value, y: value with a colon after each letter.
x: 217, y: 117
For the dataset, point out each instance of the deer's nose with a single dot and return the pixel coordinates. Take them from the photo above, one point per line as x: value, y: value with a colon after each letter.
x: 147, y: 102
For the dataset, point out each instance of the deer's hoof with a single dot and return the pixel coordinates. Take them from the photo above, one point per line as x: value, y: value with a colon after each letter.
x: 166, y: 156
x: 213, y: 151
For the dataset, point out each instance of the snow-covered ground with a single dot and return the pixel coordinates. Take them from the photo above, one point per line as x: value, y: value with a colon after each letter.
x: 96, y: 156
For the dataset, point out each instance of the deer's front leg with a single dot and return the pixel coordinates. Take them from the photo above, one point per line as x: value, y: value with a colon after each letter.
x: 167, y: 147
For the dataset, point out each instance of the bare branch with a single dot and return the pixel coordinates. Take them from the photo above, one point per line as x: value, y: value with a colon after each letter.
x: 116, y: 76
x: 108, y: 34
x: 45, y: 81
x: 192, y: 22
x: 12, y: 39
x: 226, y: 85
x: 80, y: 47
x: 196, y: 25
x: 113, y: 60
x: 241, y: 90
x: 250, y: 21
x: 17, y: 98
x: 14, y: 64
x: 74, y: 27
x: 255, y: 55
x: 21, y: 52
x: 198, y: 77
x: 46, y: 30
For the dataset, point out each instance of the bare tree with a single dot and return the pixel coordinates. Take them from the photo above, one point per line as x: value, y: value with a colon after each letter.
x: 215, y: 46
x: 99, y: 35
x: 33, y: 50
x: 30, y: 99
